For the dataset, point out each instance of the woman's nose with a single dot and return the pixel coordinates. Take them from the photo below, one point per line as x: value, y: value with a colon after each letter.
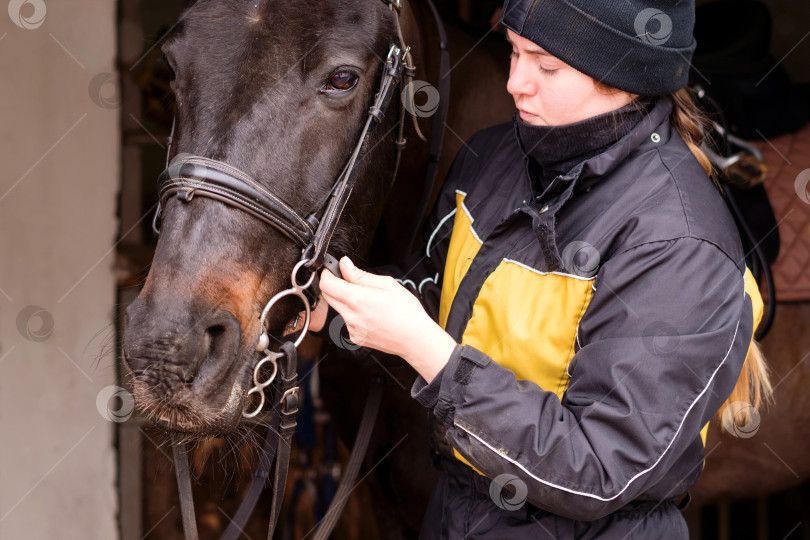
x: 521, y: 82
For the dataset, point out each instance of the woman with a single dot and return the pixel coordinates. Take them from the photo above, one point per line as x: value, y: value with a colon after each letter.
x: 582, y: 308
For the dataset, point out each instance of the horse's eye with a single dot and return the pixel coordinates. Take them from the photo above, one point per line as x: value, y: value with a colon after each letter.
x: 168, y: 64
x: 342, y: 80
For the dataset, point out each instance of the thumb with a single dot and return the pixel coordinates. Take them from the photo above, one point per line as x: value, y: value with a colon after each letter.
x: 354, y: 275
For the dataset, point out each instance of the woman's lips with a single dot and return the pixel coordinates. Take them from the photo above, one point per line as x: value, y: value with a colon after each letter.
x: 527, y: 116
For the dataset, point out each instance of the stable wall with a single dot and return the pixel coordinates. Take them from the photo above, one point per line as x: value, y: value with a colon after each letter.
x: 59, y: 156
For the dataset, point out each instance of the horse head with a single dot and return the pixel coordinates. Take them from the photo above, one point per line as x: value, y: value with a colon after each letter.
x: 281, y: 91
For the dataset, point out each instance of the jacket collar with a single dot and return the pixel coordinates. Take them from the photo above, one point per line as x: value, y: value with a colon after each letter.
x: 591, y: 170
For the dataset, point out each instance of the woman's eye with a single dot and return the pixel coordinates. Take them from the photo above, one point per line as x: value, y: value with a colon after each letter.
x: 342, y: 80
x: 545, y: 71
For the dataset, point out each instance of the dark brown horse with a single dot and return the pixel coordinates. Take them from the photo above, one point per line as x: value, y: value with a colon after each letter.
x: 280, y: 90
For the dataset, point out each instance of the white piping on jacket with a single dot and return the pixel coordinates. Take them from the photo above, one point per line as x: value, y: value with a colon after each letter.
x: 436, y: 230
x: 540, y: 272
x: 403, y: 282
x: 434, y: 279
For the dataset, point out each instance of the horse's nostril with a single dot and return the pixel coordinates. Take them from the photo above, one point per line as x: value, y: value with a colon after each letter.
x: 220, y: 346
x: 214, y: 342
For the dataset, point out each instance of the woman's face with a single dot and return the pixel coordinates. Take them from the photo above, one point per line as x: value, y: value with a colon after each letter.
x: 549, y: 92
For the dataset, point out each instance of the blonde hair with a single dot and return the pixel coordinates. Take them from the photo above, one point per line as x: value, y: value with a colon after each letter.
x: 754, y: 385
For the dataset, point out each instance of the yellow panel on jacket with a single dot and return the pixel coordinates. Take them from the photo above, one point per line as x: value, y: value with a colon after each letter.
x: 462, y: 250
x: 527, y: 321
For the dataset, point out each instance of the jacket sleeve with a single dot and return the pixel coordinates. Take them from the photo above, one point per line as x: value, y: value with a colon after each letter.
x: 659, y: 348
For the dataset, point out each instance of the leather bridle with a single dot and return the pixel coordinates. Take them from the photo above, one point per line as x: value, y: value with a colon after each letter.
x: 187, y: 176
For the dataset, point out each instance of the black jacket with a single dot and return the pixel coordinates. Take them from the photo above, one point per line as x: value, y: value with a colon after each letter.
x: 601, y: 326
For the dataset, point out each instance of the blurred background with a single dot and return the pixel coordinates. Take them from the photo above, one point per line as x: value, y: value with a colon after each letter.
x: 86, y: 108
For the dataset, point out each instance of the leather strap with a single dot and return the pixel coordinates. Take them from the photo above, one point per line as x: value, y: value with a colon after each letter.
x: 288, y: 412
x: 341, y: 497
x: 260, y: 476
x: 339, y: 196
x: 184, y: 487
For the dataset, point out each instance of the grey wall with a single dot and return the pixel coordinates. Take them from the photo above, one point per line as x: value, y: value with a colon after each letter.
x: 59, y: 154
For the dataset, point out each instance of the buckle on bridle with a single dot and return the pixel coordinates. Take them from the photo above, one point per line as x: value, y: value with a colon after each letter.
x: 289, y: 401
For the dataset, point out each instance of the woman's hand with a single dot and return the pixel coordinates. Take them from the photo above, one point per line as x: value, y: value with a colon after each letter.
x: 381, y: 314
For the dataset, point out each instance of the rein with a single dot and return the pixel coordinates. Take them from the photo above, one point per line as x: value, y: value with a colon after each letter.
x: 188, y: 176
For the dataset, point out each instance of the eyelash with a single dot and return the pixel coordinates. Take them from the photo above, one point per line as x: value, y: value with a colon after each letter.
x: 541, y: 69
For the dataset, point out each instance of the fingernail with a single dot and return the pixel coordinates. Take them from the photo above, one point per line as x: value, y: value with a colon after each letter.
x: 349, y: 262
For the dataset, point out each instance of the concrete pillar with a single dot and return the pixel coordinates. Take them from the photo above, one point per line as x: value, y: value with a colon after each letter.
x: 59, y: 150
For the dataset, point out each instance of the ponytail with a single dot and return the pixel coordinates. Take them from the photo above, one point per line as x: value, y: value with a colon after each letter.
x: 753, y: 386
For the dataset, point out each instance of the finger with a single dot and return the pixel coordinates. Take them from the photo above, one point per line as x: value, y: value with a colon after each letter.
x: 335, y: 293
x: 354, y: 275
x: 333, y: 287
x: 346, y: 292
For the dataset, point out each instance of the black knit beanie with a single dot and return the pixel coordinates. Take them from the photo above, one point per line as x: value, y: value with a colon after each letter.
x: 642, y: 47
